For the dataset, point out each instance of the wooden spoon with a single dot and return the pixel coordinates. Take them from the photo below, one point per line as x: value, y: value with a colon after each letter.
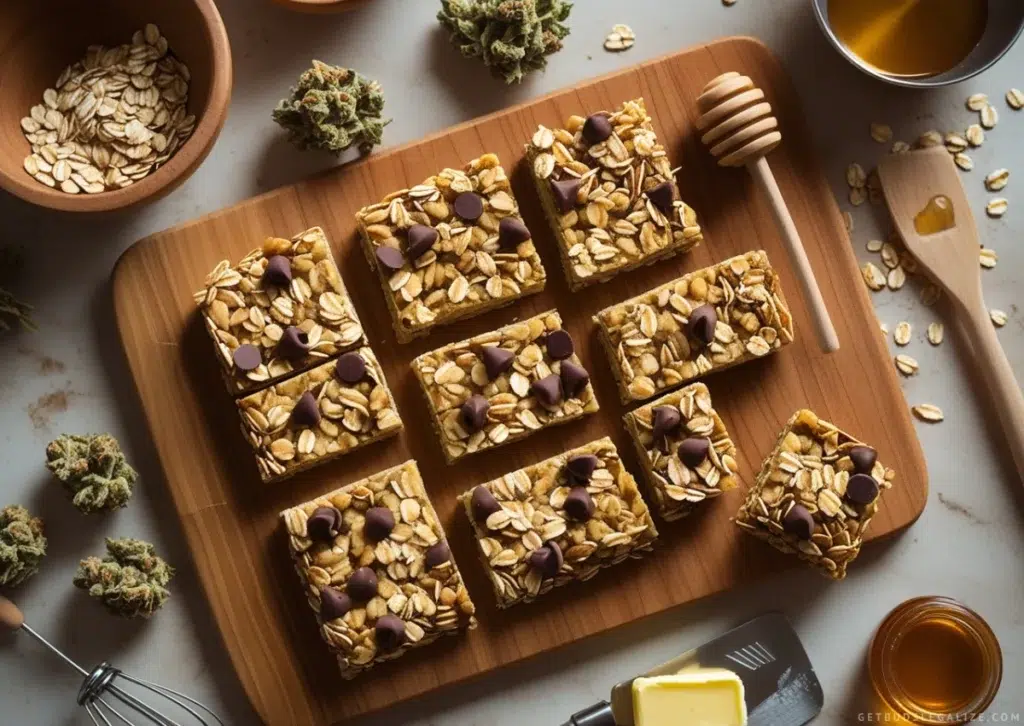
x: 913, y: 183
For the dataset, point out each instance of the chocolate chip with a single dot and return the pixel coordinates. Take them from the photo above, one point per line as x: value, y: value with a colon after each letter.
x: 863, y: 458
x: 666, y: 420
x: 473, y: 413
x: 483, y: 504
x: 578, y: 504
x: 247, y: 357
x: 333, y: 604
x: 420, y: 239
x: 278, y: 272
x: 547, y: 559
x: 565, y: 192
x: 512, y: 232
x: 390, y: 257
x: 861, y: 489
x: 389, y: 632
x: 692, y: 451
x: 379, y: 523
x: 548, y: 390
x: 559, y: 344
x: 597, y: 128
x: 294, y: 343
x: 702, y: 323
x: 662, y: 197
x: 362, y: 584
x: 581, y: 468
x: 324, y: 524
x: 497, y: 360
x: 798, y: 521
x: 350, y: 368
x: 469, y: 206
x: 574, y: 378
x: 436, y: 555
x: 306, y: 412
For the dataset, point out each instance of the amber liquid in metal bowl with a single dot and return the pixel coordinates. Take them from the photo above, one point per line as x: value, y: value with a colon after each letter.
x: 909, y: 38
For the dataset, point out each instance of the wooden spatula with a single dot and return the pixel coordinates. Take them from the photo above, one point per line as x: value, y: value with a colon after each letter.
x: 913, y: 183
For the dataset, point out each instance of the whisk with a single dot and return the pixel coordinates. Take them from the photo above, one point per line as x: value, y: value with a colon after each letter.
x: 102, y: 687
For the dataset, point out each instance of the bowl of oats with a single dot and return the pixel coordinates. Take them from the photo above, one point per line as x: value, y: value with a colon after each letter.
x: 108, y: 104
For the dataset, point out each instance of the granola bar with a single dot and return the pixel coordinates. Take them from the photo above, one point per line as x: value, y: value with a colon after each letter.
x: 282, y: 309
x: 318, y: 415
x: 685, y: 450
x: 558, y: 521
x: 502, y: 386
x: 816, y: 494
x: 376, y: 568
x: 704, y: 321
x: 450, y: 248
x: 609, y: 193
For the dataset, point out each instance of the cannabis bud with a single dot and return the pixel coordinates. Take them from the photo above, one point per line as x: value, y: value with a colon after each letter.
x: 92, y: 469
x: 12, y: 310
x: 22, y: 545
x: 131, y: 580
x: 332, y: 109
x: 513, y: 37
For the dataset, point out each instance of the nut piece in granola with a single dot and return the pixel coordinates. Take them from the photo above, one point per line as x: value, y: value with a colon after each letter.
x: 816, y: 494
x: 610, y: 195
x: 561, y: 520
x: 450, y: 248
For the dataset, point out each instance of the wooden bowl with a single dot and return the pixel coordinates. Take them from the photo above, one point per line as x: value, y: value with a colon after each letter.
x: 322, y: 6
x: 39, y: 38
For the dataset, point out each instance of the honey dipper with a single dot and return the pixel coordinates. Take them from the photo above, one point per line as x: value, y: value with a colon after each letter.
x: 740, y: 130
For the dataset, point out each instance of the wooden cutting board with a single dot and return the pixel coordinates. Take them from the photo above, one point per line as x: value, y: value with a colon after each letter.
x: 230, y: 518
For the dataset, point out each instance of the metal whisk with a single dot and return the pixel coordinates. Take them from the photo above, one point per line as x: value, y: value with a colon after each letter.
x: 102, y: 687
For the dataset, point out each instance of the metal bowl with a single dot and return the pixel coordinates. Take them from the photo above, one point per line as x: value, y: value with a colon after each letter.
x: 1005, y: 24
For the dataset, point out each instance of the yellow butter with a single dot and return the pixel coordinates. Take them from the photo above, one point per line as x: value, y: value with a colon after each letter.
x: 705, y: 697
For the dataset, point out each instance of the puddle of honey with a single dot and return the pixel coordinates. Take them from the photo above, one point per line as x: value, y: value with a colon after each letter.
x: 937, y: 216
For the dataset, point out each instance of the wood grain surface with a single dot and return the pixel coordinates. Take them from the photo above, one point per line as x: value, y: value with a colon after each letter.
x: 230, y: 518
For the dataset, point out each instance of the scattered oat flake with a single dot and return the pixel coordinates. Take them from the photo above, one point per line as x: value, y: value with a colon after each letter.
x: 999, y: 317
x: 900, y: 147
x: 848, y: 221
x: 997, y: 207
x: 858, y: 195
x: 929, y: 139
x: 896, y: 278
x: 989, y: 117
x: 873, y: 277
x: 954, y: 142
x: 1015, y: 99
x: 977, y: 101
x: 963, y: 161
x: 890, y: 255
x: 901, y: 335
x: 936, y: 331
x: 997, y: 180
x: 882, y: 133
x: 621, y: 38
x: 855, y: 176
x: 930, y: 294
x: 975, y: 135
x: 875, y: 245
x: 906, y: 365
x: 928, y: 412
x: 988, y: 257
x: 884, y: 328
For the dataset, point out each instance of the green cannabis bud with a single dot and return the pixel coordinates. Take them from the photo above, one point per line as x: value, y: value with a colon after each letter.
x: 512, y: 37
x: 131, y: 580
x: 332, y: 109
x: 22, y: 545
x: 93, y: 470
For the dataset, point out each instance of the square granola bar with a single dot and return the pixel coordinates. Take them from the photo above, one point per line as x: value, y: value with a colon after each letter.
x: 816, y: 494
x: 685, y: 450
x: 313, y: 417
x: 450, y: 248
x: 704, y: 321
x: 610, y: 195
x: 502, y: 386
x: 561, y: 520
x: 282, y: 309
x: 376, y: 568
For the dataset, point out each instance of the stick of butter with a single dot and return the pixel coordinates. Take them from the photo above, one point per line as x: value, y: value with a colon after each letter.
x: 703, y: 697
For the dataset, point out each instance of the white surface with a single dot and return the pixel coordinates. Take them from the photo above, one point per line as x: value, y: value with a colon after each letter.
x: 968, y: 543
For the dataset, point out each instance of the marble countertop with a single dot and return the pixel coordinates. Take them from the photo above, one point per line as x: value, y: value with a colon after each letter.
x: 70, y: 376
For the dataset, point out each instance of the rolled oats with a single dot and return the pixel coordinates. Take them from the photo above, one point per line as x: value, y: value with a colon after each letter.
x: 997, y: 207
x: 988, y: 257
x: 1015, y: 99
x: 621, y: 38
x: 975, y: 135
x: 873, y: 277
x: 977, y: 101
x: 936, y: 332
x: 928, y: 412
x: 896, y: 278
x: 999, y: 317
x: 997, y: 180
x: 906, y: 364
x: 989, y: 116
x: 901, y: 336
x: 881, y: 133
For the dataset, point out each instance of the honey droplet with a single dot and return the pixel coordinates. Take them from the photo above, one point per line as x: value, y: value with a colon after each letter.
x: 937, y: 216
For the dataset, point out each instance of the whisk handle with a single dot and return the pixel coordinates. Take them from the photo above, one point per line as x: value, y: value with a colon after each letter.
x: 11, y: 617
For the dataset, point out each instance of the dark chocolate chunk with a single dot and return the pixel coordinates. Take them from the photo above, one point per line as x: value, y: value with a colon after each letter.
x: 597, y: 128
x: 578, y: 504
x: 420, y: 239
x: 512, y: 232
x: 559, y: 345
x: 436, y: 555
x: 662, y: 197
x: 350, y: 368
x: 278, y: 272
x: 497, y: 360
x: 581, y: 468
x: 324, y: 524
x: 389, y: 632
x: 390, y: 257
x: 665, y: 421
x: 483, y: 504
x: 565, y: 192
x: 861, y: 489
x: 306, y: 412
x: 379, y: 523
x: 333, y: 604
x: 863, y: 458
x: 798, y: 521
x: 362, y: 584
x: 473, y: 413
x: 247, y: 357
x: 702, y: 323
x: 294, y: 343
x: 469, y: 206
x: 692, y: 451
x: 547, y: 560
x: 548, y: 390
x: 574, y: 378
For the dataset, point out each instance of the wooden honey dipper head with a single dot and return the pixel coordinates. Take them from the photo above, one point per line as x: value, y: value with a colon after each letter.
x: 737, y: 123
